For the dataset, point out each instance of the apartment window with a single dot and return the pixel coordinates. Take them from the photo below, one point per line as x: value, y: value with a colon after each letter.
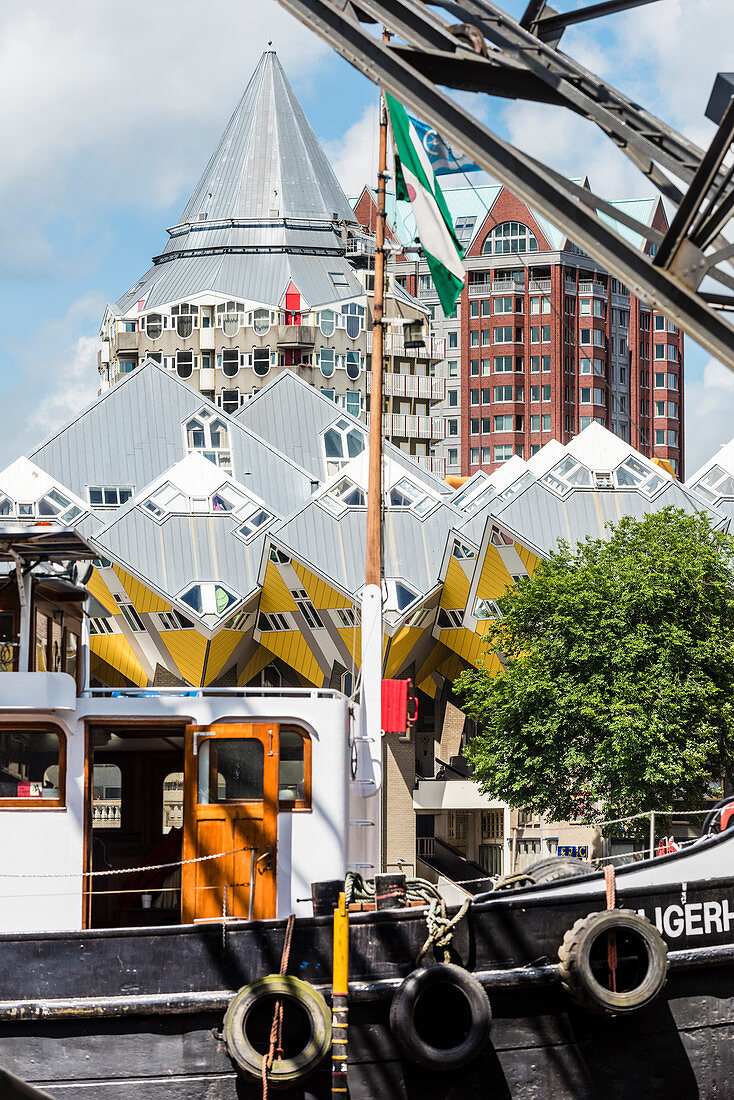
x: 519, y: 423
x: 453, y: 427
x: 535, y: 393
x: 545, y: 393
x: 474, y: 456
x: 570, y: 305
x: 535, y: 423
x: 327, y: 362
x: 474, y: 338
x: 503, y: 423
x: 672, y: 353
x: 230, y: 361
x: 453, y: 339
x: 486, y: 395
x: 519, y: 393
x: 503, y: 304
x: 659, y: 351
x: 503, y: 335
x: 540, y: 305
x: 453, y: 368
x: 502, y: 452
x: 454, y: 398
x: 453, y: 456
x: 545, y: 422
x: 535, y: 364
x: 486, y: 366
x: 486, y: 307
x: 474, y: 426
x: 486, y: 455
x: 659, y: 323
x: 659, y: 380
x: 503, y: 363
x: 660, y: 437
x: 672, y: 381
x: 486, y: 338
x: 273, y: 621
x: 108, y: 496
x: 307, y: 609
x: 184, y: 363
x: 503, y: 393
x: 672, y: 438
x: 510, y: 237
x: 474, y: 308
x: 673, y: 409
x: 545, y: 363
x: 261, y: 361
x: 474, y: 367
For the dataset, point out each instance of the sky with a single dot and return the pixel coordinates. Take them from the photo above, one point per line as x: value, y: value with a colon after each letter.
x: 107, y: 126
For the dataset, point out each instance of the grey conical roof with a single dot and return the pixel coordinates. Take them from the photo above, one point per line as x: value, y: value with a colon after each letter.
x: 268, y: 159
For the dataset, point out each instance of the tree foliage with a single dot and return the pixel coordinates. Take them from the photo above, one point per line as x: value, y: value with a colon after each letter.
x: 619, y: 673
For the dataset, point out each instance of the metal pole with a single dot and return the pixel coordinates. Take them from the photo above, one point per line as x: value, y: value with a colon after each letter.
x: 652, y: 833
x: 253, y: 871
x: 340, y: 1000
x: 373, y: 569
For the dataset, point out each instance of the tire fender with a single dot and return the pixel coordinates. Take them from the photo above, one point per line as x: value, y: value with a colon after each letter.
x: 452, y: 1034
x: 577, y: 975
x: 287, y: 1071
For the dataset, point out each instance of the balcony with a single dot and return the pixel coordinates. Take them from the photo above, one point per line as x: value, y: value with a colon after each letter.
x: 436, y: 466
x: 296, y: 336
x: 395, y: 346
x: 410, y: 385
x: 361, y: 246
x: 435, y: 795
x: 405, y: 426
x: 479, y: 290
x: 507, y: 286
x: 126, y: 341
x: 597, y: 289
x: 541, y: 285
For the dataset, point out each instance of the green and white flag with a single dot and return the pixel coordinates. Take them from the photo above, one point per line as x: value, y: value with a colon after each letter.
x: 415, y: 180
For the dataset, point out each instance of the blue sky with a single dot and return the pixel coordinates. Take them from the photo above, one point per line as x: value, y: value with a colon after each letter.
x: 107, y: 127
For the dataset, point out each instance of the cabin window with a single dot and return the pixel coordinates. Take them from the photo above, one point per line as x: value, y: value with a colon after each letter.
x: 231, y: 770
x: 32, y: 767
x: 107, y: 797
x: 172, y: 802
x: 294, y: 781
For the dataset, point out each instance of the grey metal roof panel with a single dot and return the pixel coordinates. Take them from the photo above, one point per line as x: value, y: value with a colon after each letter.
x: 256, y: 277
x: 268, y: 157
x: 134, y: 432
x: 291, y: 414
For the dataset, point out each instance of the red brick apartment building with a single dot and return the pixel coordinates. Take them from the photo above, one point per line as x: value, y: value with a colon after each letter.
x: 544, y: 340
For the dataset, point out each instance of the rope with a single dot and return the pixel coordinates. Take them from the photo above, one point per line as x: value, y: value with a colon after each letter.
x: 611, y: 888
x: 419, y: 891
x: 276, y: 1028
x: 128, y: 870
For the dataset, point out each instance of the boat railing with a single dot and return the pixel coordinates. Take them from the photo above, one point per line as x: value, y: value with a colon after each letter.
x: 211, y: 692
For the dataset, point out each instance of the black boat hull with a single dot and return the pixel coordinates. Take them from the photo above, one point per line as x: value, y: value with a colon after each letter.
x: 138, y: 1013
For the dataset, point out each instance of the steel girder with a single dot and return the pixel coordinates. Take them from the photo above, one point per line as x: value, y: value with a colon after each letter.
x: 491, y: 52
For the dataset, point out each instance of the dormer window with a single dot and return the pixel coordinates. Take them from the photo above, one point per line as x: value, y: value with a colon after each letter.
x: 342, y: 441
x: 6, y: 506
x: 715, y: 483
x: 255, y: 523
x: 209, y: 435
x: 406, y: 494
x: 569, y: 473
x: 345, y: 494
x: 208, y: 599
x: 338, y: 278
x: 635, y: 474
x: 463, y: 552
x: 185, y: 317
x: 486, y: 609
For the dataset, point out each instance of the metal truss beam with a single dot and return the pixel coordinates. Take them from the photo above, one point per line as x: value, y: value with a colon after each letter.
x: 549, y: 25
x: 671, y: 290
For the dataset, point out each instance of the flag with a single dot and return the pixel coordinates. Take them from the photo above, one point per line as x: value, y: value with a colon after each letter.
x: 443, y: 158
x: 415, y: 180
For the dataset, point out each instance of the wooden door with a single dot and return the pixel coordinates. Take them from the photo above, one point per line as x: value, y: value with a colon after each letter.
x: 230, y: 806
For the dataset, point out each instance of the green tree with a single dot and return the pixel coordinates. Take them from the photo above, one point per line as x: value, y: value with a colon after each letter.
x: 618, y: 674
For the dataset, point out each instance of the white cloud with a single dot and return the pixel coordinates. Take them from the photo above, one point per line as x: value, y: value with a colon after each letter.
x: 709, y: 413
x: 100, y: 111
x: 354, y: 156
x: 59, y: 363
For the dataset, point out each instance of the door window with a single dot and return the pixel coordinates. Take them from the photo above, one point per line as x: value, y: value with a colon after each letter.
x: 231, y: 771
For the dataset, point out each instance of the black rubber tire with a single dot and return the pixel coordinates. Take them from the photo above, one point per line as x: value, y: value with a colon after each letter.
x: 403, y: 1012
x: 557, y: 867
x: 575, y: 967
x: 288, y: 1071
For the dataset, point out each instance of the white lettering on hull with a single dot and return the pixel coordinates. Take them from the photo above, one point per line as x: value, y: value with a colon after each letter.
x: 695, y: 918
